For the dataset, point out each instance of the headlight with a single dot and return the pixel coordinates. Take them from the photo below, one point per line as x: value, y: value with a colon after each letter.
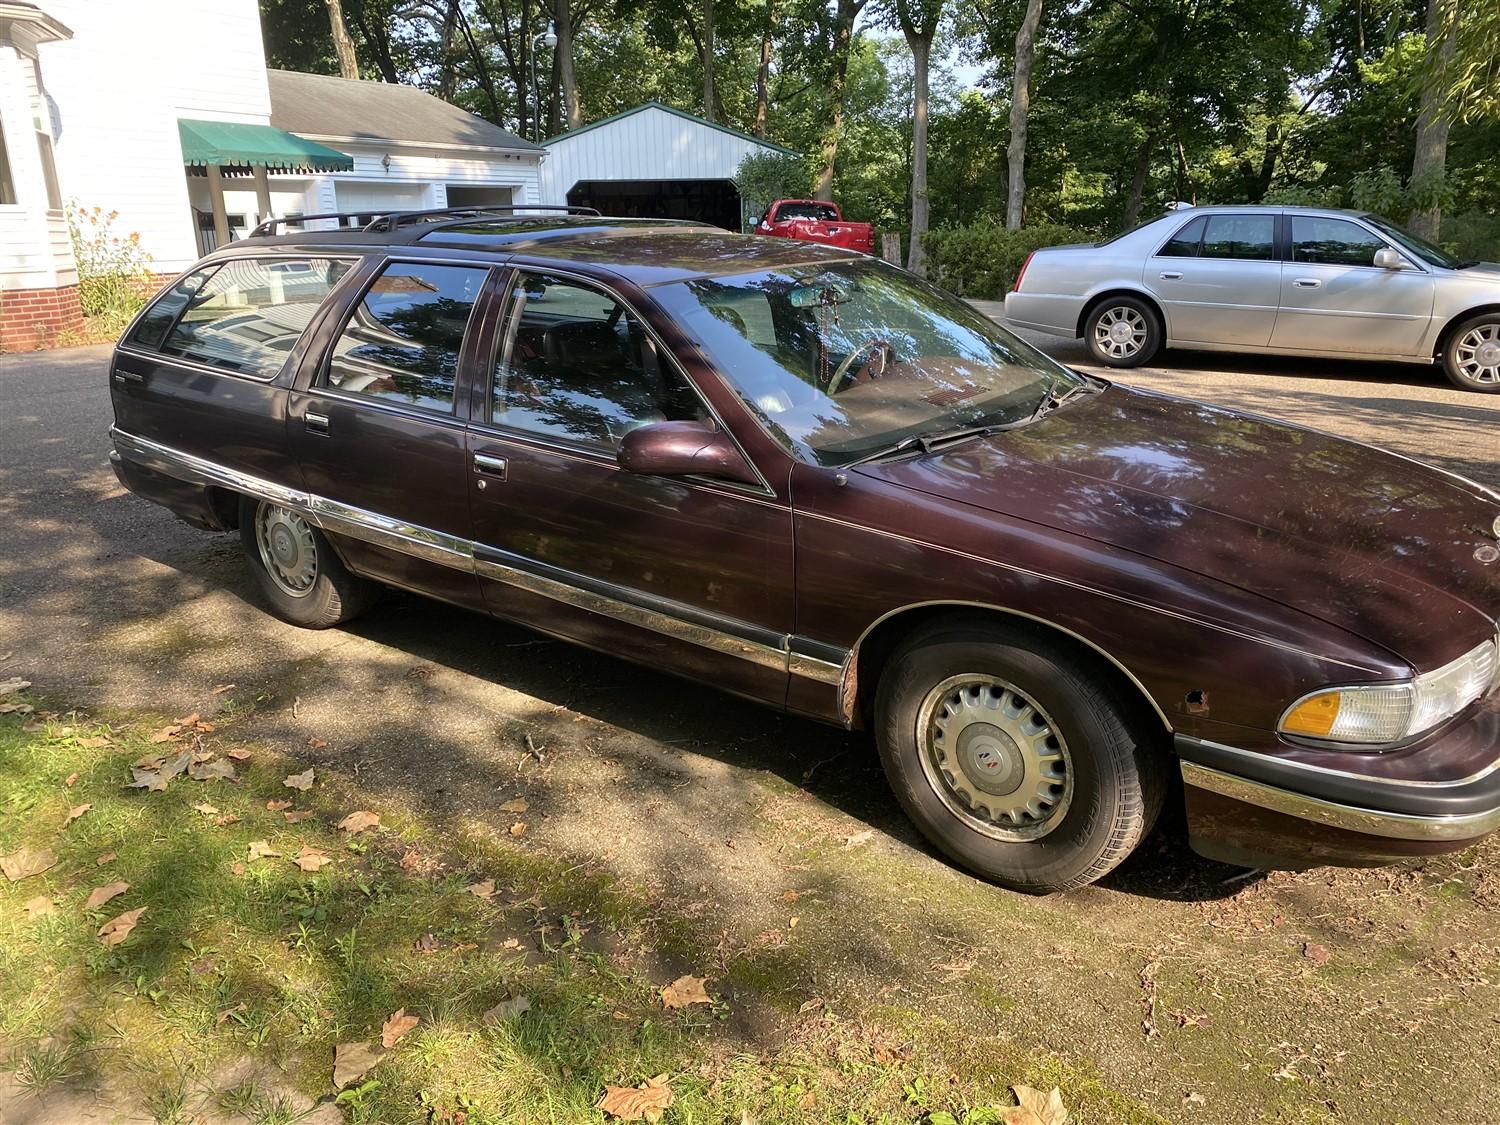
x: 1376, y: 714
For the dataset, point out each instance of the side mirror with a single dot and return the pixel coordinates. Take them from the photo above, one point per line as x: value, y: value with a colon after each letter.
x: 1389, y: 259
x: 679, y: 449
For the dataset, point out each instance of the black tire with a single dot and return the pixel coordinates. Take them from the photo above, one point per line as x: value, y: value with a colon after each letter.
x: 332, y: 596
x: 1464, y: 365
x: 1117, y: 765
x: 1129, y: 310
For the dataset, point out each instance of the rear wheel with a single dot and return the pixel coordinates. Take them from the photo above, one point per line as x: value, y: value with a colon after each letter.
x: 1123, y: 332
x: 297, y: 570
x: 1015, y: 758
x: 1471, y: 358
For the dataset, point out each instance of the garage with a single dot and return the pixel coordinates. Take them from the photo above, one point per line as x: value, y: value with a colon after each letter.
x: 655, y: 162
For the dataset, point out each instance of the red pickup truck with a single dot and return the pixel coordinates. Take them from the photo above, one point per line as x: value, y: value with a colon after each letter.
x: 812, y: 220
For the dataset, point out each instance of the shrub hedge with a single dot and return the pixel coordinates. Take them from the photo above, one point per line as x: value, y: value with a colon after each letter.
x: 983, y: 258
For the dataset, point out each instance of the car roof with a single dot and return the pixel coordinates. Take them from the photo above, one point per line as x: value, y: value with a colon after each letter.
x: 1272, y: 208
x: 646, y: 251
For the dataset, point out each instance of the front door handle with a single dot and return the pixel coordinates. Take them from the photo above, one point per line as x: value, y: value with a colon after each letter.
x: 316, y: 423
x: 1307, y: 283
x: 1171, y: 275
x: 491, y: 466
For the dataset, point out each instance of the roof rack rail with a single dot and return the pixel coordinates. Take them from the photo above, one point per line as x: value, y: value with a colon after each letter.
x: 391, y: 220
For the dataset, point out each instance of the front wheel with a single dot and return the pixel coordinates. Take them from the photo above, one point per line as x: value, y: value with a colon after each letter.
x: 297, y: 570
x: 1015, y: 758
x: 1123, y: 332
x: 1471, y: 359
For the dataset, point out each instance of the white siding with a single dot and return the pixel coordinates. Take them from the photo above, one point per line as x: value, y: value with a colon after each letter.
x: 651, y: 144
x: 34, y: 249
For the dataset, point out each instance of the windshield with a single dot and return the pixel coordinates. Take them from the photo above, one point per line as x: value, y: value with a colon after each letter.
x: 845, y: 359
x: 1432, y: 255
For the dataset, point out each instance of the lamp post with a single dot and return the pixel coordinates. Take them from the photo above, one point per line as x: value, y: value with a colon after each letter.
x: 549, y: 39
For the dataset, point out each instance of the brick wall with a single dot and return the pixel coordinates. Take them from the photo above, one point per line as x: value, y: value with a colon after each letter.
x: 31, y: 319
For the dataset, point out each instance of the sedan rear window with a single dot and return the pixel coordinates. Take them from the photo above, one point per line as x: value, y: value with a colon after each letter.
x: 245, y: 317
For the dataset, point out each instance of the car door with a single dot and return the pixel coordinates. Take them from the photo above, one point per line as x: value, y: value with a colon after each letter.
x: 381, y: 445
x: 1218, y: 279
x: 1335, y: 299
x: 688, y: 574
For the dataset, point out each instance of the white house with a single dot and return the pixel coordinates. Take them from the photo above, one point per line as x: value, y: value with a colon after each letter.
x: 652, y: 161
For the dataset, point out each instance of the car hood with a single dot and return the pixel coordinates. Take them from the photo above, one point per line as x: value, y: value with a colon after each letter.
x: 1368, y: 541
x: 1481, y: 270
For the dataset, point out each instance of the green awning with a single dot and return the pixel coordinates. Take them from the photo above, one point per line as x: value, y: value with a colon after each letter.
x: 231, y: 144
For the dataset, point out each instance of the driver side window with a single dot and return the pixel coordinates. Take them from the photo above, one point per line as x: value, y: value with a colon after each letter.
x: 576, y: 366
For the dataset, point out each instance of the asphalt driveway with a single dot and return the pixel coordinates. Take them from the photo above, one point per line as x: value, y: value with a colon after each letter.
x: 1190, y: 992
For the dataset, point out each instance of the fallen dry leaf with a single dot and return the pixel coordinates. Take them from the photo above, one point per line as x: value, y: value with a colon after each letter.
x: 95, y: 742
x: 859, y: 838
x: 1036, y: 1108
x: 352, y: 1061
x: 277, y: 806
x: 791, y: 923
x: 238, y: 753
x: 188, y: 720
x: 103, y: 894
x: 810, y: 1005
x: 392, y: 1031
x: 1194, y: 1099
x: 506, y: 1010
x: 118, y: 928
x: 236, y: 868
x: 484, y: 890
x: 210, y: 771
x: 39, y: 906
x: 645, y: 1102
x: 75, y: 812
x: 357, y: 822
x: 206, y: 810
x: 226, y: 819
x: 312, y: 859
x: 510, y: 943
x: 166, y: 734
x: 70, y: 781
x: 154, y: 780
x: 150, y: 761
x: 683, y: 991
x: 261, y: 849
x: 220, y: 689
x: 296, y: 817
x: 26, y: 863
x: 515, y: 805
x: 13, y: 685
x: 1315, y: 953
x: 228, y: 1012
x: 518, y: 829
x: 107, y: 857
x: 427, y: 943
x: 317, y: 744
x: 299, y: 781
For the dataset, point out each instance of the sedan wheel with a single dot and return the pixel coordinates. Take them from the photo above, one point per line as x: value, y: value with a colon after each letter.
x: 297, y: 568
x: 1017, y: 756
x: 1123, y: 332
x: 1472, y: 357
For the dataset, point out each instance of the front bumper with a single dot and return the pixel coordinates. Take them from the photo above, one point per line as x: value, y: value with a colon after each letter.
x: 1264, y: 811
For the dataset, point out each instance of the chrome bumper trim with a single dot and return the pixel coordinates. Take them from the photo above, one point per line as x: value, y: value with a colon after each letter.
x: 1370, y: 822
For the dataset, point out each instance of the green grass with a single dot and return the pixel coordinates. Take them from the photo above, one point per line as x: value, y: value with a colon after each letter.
x: 233, y: 990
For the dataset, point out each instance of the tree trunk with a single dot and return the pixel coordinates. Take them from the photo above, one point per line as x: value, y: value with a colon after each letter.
x: 843, y: 40
x: 1433, y: 119
x: 763, y: 76
x: 566, y: 77
x: 1020, y: 109
x: 710, y: 96
x: 1138, y: 182
x: 916, y: 255
x: 448, y: 73
x: 378, y: 39
x: 343, y: 46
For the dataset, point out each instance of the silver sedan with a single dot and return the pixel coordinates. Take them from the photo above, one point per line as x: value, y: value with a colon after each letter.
x: 1279, y: 280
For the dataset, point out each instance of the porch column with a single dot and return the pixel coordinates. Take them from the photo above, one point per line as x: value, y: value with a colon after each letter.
x: 262, y: 194
x: 216, y: 199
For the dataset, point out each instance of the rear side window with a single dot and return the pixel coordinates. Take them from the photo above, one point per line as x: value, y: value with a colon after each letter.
x: 1335, y: 242
x: 248, y: 314
x: 1244, y: 237
x: 403, y: 339
x: 1184, y: 243
x: 151, y: 330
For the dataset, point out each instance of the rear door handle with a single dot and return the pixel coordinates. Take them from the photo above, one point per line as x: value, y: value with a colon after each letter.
x: 1171, y: 275
x: 1307, y: 283
x: 316, y: 423
x: 491, y: 466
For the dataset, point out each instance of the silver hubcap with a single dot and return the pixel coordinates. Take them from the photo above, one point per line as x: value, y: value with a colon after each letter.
x: 994, y: 757
x: 287, y: 549
x: 1477, y: 354
x: 1120, y: 333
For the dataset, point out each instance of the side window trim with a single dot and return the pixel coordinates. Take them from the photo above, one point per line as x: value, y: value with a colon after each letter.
x: 1171, y: 238
x: 1269, y: 216
x: 319, y: 382
x: 505, y: 337
x: 1353, y: 220
x: 129, y: 338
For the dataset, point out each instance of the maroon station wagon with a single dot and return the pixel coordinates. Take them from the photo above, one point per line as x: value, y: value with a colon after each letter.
x: 809, y: 478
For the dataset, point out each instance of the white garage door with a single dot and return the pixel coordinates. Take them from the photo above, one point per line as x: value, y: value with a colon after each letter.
x: 378, y: 199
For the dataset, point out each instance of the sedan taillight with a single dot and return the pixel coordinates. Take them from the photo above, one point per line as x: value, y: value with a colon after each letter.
x: 1022, y: 274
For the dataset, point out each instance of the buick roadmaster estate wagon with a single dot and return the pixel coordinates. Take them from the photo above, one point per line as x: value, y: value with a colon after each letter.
x: 806, y: 477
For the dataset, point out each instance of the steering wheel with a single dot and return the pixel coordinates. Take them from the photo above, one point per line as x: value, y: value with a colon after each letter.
x: 875, y: 346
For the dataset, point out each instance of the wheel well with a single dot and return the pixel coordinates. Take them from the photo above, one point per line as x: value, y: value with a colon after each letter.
x: 1453, y: 322
x: 876, y: 647
x: 1098, y: 299
x: 225, y: 505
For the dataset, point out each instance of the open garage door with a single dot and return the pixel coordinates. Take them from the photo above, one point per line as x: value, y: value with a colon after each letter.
x: 704, y: 201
